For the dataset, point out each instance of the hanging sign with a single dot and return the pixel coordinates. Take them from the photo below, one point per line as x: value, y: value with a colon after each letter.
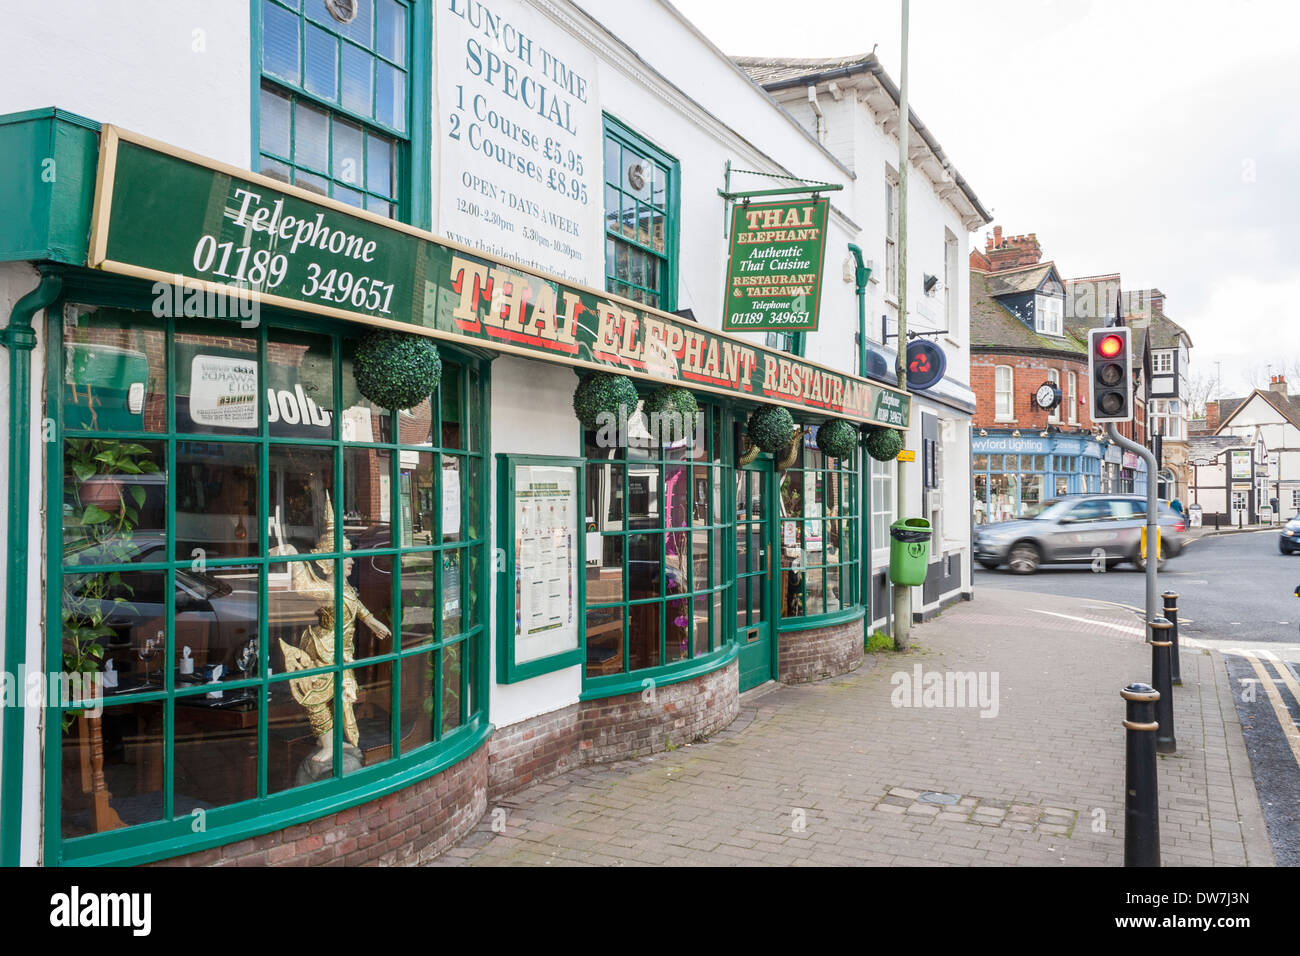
x: 774, y: 279
x: 224, y: 233
x: 926, y: 364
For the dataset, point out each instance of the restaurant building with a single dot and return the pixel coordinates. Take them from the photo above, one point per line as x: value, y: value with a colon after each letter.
x: 208, y: 497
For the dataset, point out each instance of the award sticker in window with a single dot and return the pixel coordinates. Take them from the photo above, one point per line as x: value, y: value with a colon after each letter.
x: 223, y: 391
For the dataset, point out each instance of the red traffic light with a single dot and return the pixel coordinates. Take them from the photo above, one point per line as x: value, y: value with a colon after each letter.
x: 1109, y: 346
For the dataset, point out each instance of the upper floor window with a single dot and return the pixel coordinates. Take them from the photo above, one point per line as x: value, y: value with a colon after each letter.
x: 1049, y: 314
x: 1072, y: 399
x: 1004, y: 402
x: 641, y: 203
x: 1054, y: 377
x: 1163, y: 363
x: 891, y: 234
x: 334, y: 100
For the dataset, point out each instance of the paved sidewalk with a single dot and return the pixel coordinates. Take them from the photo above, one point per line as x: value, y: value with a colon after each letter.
x: 832, y: 773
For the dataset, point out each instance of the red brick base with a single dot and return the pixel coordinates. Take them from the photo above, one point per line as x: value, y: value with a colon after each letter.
x: 408, y: 828
x: 612, y: 728
x: 818, y: 653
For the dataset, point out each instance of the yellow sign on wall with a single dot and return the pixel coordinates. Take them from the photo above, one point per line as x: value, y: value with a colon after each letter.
x: 906, y: 455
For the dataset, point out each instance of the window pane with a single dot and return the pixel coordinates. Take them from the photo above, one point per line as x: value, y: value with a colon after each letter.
x: 311, y: 137
x: 217, y: 619
x: 311, y: 182
x: 216, y: 500
x: 452, y: 580
x: 348, y: 163
x: 451, y: 702
x: 380, y: 165
x: 679, y: 631
x: 453, y: 514
x: 367, y: 497
x: 300, y: 386
x: 390, y: 31
x: 301, y: 509
x: 604, y: 641
x: 416, y: 491
x: 390, y: 96
x: 273, y: 122
x: 321, y: 63
x: 115, y: 501
x: 112, y: 769
x: 120, y: 618
x: 643, y: 635
x: 279, y: 42
x: 418, y: 674
x: 417, y: 598
x: 357, y: 87
x: 645, y: 553
x: 216, y: 384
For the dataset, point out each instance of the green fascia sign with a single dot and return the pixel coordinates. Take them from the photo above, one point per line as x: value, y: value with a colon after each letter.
x: 229, y: 236
x: 774, y: 275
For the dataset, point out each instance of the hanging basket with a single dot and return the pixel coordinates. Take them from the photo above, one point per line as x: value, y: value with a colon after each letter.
x: 396, y: 369
x: 603, y: 393
x: 671, y: 413
x: 884, y: 444
x: 770, y: 428
x: 838, y: 438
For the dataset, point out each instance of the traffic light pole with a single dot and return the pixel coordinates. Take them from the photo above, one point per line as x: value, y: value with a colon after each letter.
x: 1153, y: 545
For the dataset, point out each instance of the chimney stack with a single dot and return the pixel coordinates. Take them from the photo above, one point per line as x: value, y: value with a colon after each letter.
x: 1277, y: 384
x: 1212, y: 416
x: 1012, y: 252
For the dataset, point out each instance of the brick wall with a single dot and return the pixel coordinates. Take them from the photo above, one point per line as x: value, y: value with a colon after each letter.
x: 1030, y: 371
x: 819, y: 653
x: 615, y: 728
x: 532, y: 750
x: 409, y: 827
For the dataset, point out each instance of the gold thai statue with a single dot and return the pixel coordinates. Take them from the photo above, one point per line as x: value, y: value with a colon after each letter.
x: 316, y: 645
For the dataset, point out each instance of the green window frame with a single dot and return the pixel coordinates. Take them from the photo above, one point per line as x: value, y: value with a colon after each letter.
x: 651, y: 611
x: 509, y: 669
x: 425, y: 686
x: 819, y: 529
x: 642, y: 215
x: 343, y: 110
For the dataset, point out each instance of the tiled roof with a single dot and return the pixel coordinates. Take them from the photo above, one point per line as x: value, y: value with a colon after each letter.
x: 993, y: 327
x: 1023, y: 279
x: 765, y: 70
x: 1208, y: 446
x: 1287, y: 407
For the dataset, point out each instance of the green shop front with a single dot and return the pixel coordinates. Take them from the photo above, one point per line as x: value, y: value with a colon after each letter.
x: 296, y: 607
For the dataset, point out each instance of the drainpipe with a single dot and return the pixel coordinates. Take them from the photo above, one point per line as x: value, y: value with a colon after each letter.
x: 817, y: 109
x: 860, y: 276
x: 20, y: 338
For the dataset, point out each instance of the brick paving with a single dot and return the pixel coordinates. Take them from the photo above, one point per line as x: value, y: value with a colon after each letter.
x: 832, y: 773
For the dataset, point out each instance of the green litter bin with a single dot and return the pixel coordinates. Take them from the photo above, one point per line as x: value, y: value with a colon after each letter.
x: 909, y: 551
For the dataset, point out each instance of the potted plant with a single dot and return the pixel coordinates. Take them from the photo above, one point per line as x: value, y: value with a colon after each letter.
x: 101, y: 514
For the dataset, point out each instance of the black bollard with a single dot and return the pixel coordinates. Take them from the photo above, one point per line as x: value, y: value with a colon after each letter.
x: 1171, y: 615
x: 1161, y: 679
x: 1141, y: 803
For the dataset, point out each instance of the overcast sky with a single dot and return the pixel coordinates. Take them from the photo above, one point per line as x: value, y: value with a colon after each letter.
x: 1159, y: 140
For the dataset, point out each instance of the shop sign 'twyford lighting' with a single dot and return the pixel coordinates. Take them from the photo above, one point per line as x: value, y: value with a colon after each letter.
x: 175, y: 217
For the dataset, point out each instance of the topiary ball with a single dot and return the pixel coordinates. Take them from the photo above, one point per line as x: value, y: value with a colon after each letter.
x: 677, y: 410
x: 603, y: 393
x: 397, y: 369
x: 770, y: 428
x: 884, y: 444
x: 838, y: 438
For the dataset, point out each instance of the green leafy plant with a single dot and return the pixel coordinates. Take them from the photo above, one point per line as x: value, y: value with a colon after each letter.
x: 838, y: 438
x: 101, y: 514
x: 884, y: 444
x: 603, y: 393
x: 397, y: 369
x: 674, y: 410
x: 770, y: 428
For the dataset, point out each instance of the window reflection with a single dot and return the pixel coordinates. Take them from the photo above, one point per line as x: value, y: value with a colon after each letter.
x: 216, y: 500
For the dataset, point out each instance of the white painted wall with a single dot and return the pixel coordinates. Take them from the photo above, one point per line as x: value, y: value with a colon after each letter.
x: 176, y: 70
x: 532, y: 414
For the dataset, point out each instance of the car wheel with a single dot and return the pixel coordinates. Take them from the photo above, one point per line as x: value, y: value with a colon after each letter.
x: 1284, y: 549
x: 1024, y: 558
x: 1141, y: 563
x: 987, y: 565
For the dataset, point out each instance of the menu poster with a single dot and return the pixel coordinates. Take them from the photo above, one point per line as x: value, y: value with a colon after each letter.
x: 546, y: 515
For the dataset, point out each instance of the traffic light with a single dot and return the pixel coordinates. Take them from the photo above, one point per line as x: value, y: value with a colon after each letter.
x: 1110, y: 371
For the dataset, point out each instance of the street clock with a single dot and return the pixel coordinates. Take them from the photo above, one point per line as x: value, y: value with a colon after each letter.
x: 1048, y: 396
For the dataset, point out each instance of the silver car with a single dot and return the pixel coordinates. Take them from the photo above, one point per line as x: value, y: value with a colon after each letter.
x: 1079, y: 529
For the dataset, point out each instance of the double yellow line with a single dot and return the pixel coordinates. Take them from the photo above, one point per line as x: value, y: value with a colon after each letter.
x: 1284, y: 718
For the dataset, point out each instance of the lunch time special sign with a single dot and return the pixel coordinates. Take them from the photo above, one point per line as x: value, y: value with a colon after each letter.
x: 213, y: 231
x: 774, y: 279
